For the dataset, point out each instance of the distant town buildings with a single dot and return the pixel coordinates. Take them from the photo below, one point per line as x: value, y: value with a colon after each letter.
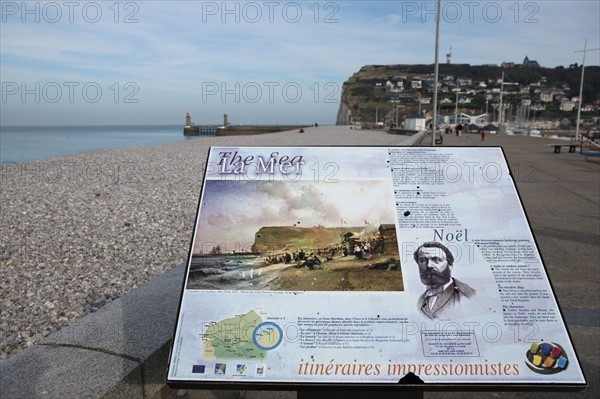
x: 527, y: 63
x: 472, y: 99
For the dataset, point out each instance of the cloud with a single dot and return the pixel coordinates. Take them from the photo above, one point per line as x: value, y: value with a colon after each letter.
x: 234, y: 212
x: 303, y: 200
x: 172, y: 48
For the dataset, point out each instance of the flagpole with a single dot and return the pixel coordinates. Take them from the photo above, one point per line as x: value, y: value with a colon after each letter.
x: 585, y: 50
x: 435, y: 89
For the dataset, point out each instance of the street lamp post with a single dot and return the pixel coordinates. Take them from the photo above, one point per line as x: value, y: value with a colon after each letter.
x: 500, y: 108
x: 581, y: 86
x: 456, y: 108
x: 435, y: 89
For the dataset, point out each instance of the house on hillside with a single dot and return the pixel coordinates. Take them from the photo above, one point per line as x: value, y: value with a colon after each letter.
x: 394, y: 88
x: 464, y: 81
x: 567, y: 106
x: 527, y: 63
x: 546, y: 96
x: 524, y: 89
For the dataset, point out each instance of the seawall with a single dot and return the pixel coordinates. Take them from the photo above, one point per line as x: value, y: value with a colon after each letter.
x: 255, y: 129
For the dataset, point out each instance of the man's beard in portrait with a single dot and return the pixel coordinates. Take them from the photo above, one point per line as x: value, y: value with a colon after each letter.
x: 434, y: 278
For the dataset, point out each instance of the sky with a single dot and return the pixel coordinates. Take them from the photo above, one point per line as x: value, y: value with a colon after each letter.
x: 259, y: 62
x: 235, y: 207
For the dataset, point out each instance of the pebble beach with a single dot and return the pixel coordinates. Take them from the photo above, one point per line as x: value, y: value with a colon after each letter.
x: 79, y: 231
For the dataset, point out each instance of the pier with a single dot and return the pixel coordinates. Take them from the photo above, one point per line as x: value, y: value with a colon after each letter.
x: 191, y: 129
x: 197, y: 130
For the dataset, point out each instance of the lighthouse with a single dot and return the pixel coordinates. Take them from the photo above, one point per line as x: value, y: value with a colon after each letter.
x: 449, y: 56
x: 188, y: 120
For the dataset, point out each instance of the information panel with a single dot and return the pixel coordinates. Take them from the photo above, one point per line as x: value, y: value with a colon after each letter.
x: 361, y: 265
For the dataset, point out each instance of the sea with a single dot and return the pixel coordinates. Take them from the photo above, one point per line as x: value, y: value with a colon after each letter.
x: 229, y: 272
x: 36, y: 143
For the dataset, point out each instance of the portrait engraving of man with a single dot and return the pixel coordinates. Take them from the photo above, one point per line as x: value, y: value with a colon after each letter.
x: 444, y: 292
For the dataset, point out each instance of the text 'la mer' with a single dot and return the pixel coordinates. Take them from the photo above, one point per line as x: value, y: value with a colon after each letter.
x: 231, y: 162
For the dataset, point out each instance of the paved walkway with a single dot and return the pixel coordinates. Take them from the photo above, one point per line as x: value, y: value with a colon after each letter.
x: 561, y: 196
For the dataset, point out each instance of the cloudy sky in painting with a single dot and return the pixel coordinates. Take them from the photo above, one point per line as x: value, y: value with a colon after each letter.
x: 232, y: 212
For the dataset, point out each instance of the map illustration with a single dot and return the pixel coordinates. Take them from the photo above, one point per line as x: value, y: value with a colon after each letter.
x: 245, y: 336
x: 267, y: 336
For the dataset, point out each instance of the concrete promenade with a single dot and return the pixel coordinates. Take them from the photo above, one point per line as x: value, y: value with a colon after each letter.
x: 121, y: 350
x: 561, y: 197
